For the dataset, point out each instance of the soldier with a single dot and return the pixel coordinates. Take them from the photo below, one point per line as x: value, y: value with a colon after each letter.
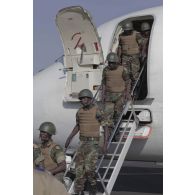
x: 46, y: 184
x: 54, y: 158
x: 88, y: 120
x: 115, y: 88
x: 145, y: 33
x: 129, y: 52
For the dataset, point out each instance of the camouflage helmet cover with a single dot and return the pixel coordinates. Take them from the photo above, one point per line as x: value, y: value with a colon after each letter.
x: 85, y: 93
x: 48, y: 127
x: 145, y: 26
x: 128, y: 26
x: 112, y: 57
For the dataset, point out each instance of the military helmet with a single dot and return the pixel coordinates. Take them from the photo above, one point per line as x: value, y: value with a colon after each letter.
x: 145, y: 26
x: 128, y: 26
x: 48, y: 127
x: 112, y: 57
x: 85, y: 93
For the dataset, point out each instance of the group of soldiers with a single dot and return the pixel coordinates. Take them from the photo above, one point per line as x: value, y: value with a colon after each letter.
x: 118, y: 79
x: 133, y: 48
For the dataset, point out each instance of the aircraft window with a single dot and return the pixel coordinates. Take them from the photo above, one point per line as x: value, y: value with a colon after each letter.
x: 126, y: 50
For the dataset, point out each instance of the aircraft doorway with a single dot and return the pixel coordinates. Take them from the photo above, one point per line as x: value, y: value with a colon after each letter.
x: 141, y: 85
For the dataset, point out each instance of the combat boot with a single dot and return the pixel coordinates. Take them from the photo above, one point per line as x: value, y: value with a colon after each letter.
x: 93, y: 190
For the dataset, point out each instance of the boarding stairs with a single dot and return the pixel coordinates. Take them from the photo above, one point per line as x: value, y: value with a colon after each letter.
x: 108, y: 170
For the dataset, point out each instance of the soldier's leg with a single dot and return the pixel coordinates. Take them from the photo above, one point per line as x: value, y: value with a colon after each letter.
x: 126, y: 62
x: 135, y: 67
x: 118, y: 108
x: 90, y: 166
x: 109, y: 114
x: 80, y: 171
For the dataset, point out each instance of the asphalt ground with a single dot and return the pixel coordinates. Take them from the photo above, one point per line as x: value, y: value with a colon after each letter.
x: 133, y: 193
x: 139, y: 181
x: 136, y: 179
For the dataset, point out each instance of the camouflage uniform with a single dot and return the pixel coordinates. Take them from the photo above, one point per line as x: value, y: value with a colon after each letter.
x: 53, y: 155
x: 114, y: 101
x: 130, y: 58
x: 87, y: 155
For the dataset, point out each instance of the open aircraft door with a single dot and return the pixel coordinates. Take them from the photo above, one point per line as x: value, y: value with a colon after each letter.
x: 83, y: 55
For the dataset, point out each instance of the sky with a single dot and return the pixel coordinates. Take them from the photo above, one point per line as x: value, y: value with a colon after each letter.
x: 47, y: 46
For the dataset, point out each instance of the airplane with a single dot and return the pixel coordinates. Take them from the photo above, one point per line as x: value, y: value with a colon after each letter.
x: 56, y: 88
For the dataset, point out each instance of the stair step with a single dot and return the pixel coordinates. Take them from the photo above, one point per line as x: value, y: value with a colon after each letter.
x: 106, y: 167
x: 116, y: 155
x: 123, y: 125
x: 105, y: 180
x: 122, y: 130
x: 117, y: 142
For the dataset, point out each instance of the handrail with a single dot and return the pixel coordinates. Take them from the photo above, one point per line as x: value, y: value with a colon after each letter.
x: 94, y: 97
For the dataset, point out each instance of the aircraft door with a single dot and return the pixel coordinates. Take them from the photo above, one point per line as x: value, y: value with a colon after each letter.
x: 83, y: 55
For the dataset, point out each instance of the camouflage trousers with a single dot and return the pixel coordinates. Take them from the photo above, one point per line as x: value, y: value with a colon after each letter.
x: 86, y: 160
x: 132, y: 63
x: 113, y: 107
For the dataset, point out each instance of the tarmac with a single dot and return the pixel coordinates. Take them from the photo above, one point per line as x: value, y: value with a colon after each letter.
x: 138, y: 181
x: 132, y: 193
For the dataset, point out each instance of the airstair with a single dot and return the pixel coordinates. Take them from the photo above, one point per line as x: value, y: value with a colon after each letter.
x: 109, y: 164
x: 108, y: 170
